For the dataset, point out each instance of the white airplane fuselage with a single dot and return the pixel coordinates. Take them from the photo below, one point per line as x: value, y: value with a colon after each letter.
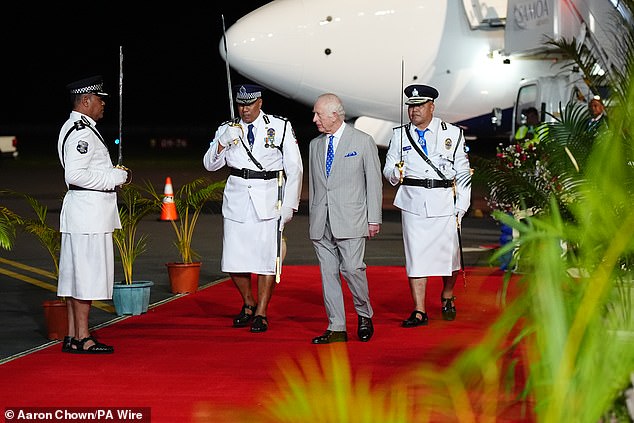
x: 366, y: 51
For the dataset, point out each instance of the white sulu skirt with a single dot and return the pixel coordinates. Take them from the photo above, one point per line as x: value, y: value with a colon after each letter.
x: 250, y: 246
x: 86, y: 266
x: 431, y: 245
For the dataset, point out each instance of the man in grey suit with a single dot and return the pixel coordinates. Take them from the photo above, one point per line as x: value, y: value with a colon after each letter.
x: 345, y: 204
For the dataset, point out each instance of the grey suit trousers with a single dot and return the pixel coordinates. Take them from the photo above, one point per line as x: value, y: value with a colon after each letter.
x: 342, y: 257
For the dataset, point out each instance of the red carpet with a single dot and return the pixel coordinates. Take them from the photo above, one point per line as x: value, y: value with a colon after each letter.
x: 183, y: 358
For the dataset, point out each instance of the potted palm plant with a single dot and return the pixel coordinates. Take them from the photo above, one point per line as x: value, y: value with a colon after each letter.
x: 132, y: 296
x: 55, y: 311
x: 189, y: 201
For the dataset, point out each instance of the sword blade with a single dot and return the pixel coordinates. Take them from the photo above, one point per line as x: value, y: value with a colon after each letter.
x: 120, y: 160
x: 224, y: 39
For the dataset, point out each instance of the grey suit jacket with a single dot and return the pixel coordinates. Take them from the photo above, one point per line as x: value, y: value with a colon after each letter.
x: 352, y: 196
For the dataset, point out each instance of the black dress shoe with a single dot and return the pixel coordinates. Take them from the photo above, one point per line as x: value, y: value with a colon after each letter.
x: 260, y: 324
x: 331, y: 336
x: 417, y: 318
x: 243, y: 319
x: 67, y: 344
x: 365, y: 329
x: 448, y: 308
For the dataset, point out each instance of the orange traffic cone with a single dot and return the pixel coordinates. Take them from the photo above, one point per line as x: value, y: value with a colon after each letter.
x: 168, y: 209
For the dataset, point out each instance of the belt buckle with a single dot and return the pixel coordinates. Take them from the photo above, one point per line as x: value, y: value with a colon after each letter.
x: 427, y: 183
x: 245, y: 173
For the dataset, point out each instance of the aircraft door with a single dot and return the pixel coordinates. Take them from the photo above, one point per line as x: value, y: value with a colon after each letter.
x: 527, y: 96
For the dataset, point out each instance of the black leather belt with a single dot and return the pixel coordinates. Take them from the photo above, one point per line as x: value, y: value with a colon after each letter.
x: 77, y: 188
x: 254, y: 174
x: 428, y: 183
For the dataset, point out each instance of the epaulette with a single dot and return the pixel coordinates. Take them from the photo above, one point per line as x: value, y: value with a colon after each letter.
x: 81, y: 124
x: 227, y: 122
x: 279, y: 117
x: 444, y: 125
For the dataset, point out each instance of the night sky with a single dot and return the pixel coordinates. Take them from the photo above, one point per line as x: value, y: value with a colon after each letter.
x: 174, y: 80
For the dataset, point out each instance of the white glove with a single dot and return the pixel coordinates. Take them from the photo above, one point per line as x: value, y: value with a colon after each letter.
x: 129, y: 172
x: 395, y: 178
x: 120, y: 176
x: 459, y: 215
x: 286, y: 215
x: 231, y: 133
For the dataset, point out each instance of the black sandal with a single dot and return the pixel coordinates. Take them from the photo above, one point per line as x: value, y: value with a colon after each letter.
x: 243, y: 319
x: 67, y: 344
x: 97, y: 348
x: 413, y: 320
x: 260, y: 324
x: 448, y: 308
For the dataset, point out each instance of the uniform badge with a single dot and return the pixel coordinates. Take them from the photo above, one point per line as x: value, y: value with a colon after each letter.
x: 448, y: 143
x: 82, y: 147
x: 269, y: 141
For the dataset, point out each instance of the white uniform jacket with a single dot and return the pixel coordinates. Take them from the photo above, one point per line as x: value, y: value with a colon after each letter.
x: 262, y: 193
x: 446, y: 150
x: 87, y: 165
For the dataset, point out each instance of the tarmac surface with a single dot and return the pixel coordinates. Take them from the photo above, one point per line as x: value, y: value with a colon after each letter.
x: 24, y: 284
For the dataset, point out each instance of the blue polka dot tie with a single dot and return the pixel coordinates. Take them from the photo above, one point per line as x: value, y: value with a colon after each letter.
x: 330, y: 155
x: 251, y: 137
x: 421, y: 138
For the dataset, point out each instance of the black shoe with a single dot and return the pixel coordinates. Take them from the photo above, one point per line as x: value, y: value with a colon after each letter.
x: 243, y: 319
x: 260, y: 324
x: 331, y: 336
x: 67, y: 344
x: 97, y: 348
x: 448, y: 308
x: 414, y: 320
x: 365, y: 329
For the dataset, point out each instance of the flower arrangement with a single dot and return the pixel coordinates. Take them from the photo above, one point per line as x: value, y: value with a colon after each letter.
x: 515, y: 174
x: 518, y: 155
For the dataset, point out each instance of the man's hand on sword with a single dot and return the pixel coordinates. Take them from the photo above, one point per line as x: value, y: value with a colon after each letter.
x: 231, y: 134
x: 286, y: 214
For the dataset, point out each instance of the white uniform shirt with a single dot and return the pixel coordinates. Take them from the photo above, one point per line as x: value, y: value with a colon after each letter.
x: 447, y: 152
x: 262, y: 193
x: 87, y: 164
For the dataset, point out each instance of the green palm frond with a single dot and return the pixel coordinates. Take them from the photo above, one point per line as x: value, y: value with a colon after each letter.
x: 49, y: 237
x: 133, y: 208
x: 7, y: 229
x: 189, y: 200
x: 563, y: 150
x: 578, y: 56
